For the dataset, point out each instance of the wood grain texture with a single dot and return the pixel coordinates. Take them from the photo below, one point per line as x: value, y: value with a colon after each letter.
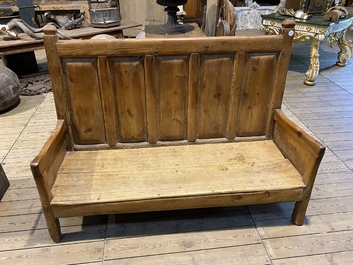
x: 214, y: 90
x: 168, y: 46
x: 172, y: 86
x: 313, y: 244
x: 129, y: 94
x: 178, y: 242
x: 110, y: 119
x: 226, y: 255
x: 77, y: 253
x: 85, y: 101
x: 192, y: 97
x: 218, y: 86
x: 255, y: 95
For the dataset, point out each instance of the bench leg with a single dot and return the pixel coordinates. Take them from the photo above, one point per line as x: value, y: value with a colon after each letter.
x: 54, y: 231
x: 313, y: 71
x: 300, y: 207
x: 346, y: 48
x: 53, y: 225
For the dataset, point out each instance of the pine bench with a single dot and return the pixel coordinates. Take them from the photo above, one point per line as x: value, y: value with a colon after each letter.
x: 167, y: 124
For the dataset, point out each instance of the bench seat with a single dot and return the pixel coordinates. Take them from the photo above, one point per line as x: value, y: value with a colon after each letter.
x: 145, y: 175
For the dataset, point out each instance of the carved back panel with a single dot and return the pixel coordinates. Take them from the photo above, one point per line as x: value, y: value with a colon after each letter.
x: 148, y: 91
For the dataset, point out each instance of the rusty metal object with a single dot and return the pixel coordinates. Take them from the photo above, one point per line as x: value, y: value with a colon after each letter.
x: 37, y: 33
x: 35, y: 85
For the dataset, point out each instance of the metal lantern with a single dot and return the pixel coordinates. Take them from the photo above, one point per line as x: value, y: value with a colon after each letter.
x: 104, y: 13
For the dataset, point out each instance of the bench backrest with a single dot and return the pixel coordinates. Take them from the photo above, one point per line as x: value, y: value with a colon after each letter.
x: 145, y: 91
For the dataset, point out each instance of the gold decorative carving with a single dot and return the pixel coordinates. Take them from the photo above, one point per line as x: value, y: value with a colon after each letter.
x: 314, y: 67
x: 345, y: 53
x: 299, y: 36
x: 333, y: 33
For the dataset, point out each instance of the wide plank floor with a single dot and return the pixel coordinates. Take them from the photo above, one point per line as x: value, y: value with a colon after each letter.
x: 261, y: 234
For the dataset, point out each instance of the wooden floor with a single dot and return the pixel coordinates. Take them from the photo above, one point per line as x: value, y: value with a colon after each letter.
x: 239, y: 235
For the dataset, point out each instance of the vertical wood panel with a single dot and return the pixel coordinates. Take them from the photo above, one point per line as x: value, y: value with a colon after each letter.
x: 215, y: 83
x: 108, y: 103
x: 86, y: 107
x: 151, y: 99
x: 56, y: 76
x: 235, y: 94
x: 256, y: 95
x: 129, y: 84
x: 172, y: 84
x: 193, y: 85
x: 279, y: 80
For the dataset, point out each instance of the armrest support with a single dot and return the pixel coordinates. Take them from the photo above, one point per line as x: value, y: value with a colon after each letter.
x: 48, y: 161
x: 44, y: 168
x: 304, y: 152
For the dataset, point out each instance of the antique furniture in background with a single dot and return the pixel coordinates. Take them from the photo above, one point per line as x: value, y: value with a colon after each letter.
x: 10, y: 88
x: 195, y: 11
x: 191, y: 30
x: 104, y: 13
x: 171, y: 26
x: 227, y: 18
x: 59, y: 7
x: 26, y: 43
x: 316, y: 29
x: 144, y: 12
x: 249, y: 17
x: 220, y: 18
x: 171, y: 123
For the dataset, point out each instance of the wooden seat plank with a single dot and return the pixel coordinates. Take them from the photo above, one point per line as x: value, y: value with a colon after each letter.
x: 173, y: 171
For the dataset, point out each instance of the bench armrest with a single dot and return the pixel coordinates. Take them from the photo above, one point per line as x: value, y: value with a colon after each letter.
x: 44, y: 169
x: 46, y: 164
x: 302, y: 150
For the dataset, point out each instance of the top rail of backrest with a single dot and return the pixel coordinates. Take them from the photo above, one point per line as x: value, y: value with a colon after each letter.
x: 151, y: 90
x: 170, y: 46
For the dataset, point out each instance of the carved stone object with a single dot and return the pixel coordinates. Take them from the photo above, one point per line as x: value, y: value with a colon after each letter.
x: 10, y: 88
x: 172, y: 26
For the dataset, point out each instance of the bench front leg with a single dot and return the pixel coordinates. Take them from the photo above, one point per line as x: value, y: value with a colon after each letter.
x: 44, y: 169
x: 304, y: 152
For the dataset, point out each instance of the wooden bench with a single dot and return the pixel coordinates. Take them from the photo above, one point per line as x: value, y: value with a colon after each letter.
x: 166, y: 124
